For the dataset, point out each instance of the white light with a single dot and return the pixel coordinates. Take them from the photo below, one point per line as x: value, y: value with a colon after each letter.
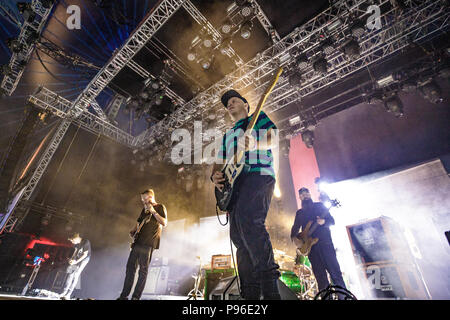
x: 277, y: 191
x: 385, y: 81
x: 294, y: 121
x: 323, y: 186
x: 327, y: 204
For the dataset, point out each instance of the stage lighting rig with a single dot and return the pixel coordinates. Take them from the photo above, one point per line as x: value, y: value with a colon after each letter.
x: 357, y: 28
x: 430, y: 91
x: 327, y: 46
x: 246, y: 9
x: 15, y: 45
x: 394, y: 105
x: 308, y: 138
x: 27, y: 11
x: 295, y: 78
x: 227, y: 26
x: 351, y: 49
x: 246, y: 29
x: 320, y: 65
x: 47, y: 3
x: 301, y: 61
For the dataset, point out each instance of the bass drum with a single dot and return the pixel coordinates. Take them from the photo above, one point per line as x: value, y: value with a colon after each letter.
x: 291, y: 280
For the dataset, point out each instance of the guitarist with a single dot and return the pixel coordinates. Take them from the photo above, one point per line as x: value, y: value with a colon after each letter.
x: 251, y: 198
x: 77, y: 263
x: 322, y: 255
x: 153, y: 218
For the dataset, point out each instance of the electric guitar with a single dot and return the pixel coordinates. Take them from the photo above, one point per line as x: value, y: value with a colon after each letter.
x: 303, y: 240
x: 234, y: 166
x: 135, y: 234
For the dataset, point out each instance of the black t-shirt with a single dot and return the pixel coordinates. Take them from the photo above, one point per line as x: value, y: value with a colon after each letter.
x: 304, y: 215
x: 81, y: 248
x: 150, y: 233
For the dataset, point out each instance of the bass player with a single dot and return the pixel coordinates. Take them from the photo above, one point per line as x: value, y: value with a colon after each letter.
x: 146, y: 237
x: 322, y: 254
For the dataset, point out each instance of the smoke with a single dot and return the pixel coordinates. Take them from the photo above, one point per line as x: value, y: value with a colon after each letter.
x: 417, y: 200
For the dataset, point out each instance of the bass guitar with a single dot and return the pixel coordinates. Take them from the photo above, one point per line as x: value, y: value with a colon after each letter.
x: 234, y: 166
x: 303, y: 240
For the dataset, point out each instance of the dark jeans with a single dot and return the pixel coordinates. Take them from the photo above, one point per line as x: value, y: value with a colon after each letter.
x: 257, y: 269
x: 139, y: 256
x: 323, y: 259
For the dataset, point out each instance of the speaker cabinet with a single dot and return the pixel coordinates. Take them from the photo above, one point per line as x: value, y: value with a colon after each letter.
x: 379, y: 240
x: 213, y: 277
x: 392, y: 281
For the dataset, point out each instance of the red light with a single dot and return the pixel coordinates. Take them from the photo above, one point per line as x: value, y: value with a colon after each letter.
x: 46, y: 256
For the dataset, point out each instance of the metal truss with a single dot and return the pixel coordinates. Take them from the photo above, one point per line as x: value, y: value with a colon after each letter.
x: 201, y: 19
x: 61, y: 107
x: 115, y: 106
x: 265, y: 22
x: 19, y: 60
x: 19, y: 212
x: 133, y: 65
x: 154, y: 20
x: 398, y: 28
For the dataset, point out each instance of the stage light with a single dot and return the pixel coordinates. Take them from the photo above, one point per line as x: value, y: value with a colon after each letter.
x: 144, y: 94
x: 327, y: 204
x: 385, y: 81
x: 327, y: 46
x: 301, y: 61
x: 225, y: 46
x: 246, y: 29
x: 226, y: 26
x: 246, y: 8
x: 27, y: 11
x: 357, y: 28
x: 431, y: 92
x: 394, y: 105
x: 191, y: 56
x: 335, y: 24
x: 321, y: 65
x: 206, y: 63
x: 14, y: 45
x: 409, y: 86
x: 308, y: 138
x: 295, y: 78
x: 294, y: 121
x: 351, y: 49
x: 155, y: 84
x: 159, y: 96
x: 207, y: 42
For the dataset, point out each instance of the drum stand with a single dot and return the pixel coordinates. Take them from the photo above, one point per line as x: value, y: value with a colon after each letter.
x: 196, y: 293
x: 308, y: 283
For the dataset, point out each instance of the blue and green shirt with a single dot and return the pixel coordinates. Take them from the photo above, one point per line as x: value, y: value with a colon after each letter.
x: 255, y: 160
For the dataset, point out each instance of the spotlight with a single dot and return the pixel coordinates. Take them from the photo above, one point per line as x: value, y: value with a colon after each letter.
x: 246, y: 29
x: 308, y: 138
x: 225, y: 45
x: 206, y: 63
x: 246, y: 8
x: 301, y: 61
x: 226, y: 27
x: 294, y: 121
x: 431, y: 92
x: 159, y: 98
x: 357, y: 28
x: 207, y: 42
x: 144, y: 94
x: 15, y: 45
x: 295, y: 78
x: 155, y: 84
x: 351, y: 49
x: 27, y: 11
x: 320, y: 65
x: 394, y: 105
x: 191, y: 55
x: 327, y: 46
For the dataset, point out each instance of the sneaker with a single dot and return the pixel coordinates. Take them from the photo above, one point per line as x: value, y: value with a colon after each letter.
x: 122, y: 298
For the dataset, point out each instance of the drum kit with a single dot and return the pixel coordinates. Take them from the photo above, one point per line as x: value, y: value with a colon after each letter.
x: 296, y: 274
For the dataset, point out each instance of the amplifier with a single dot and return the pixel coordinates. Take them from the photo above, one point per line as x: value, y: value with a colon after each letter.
x: 226, y: 289
x: 220, y: 261
x: 213, y: 277
x: 379, y: 240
